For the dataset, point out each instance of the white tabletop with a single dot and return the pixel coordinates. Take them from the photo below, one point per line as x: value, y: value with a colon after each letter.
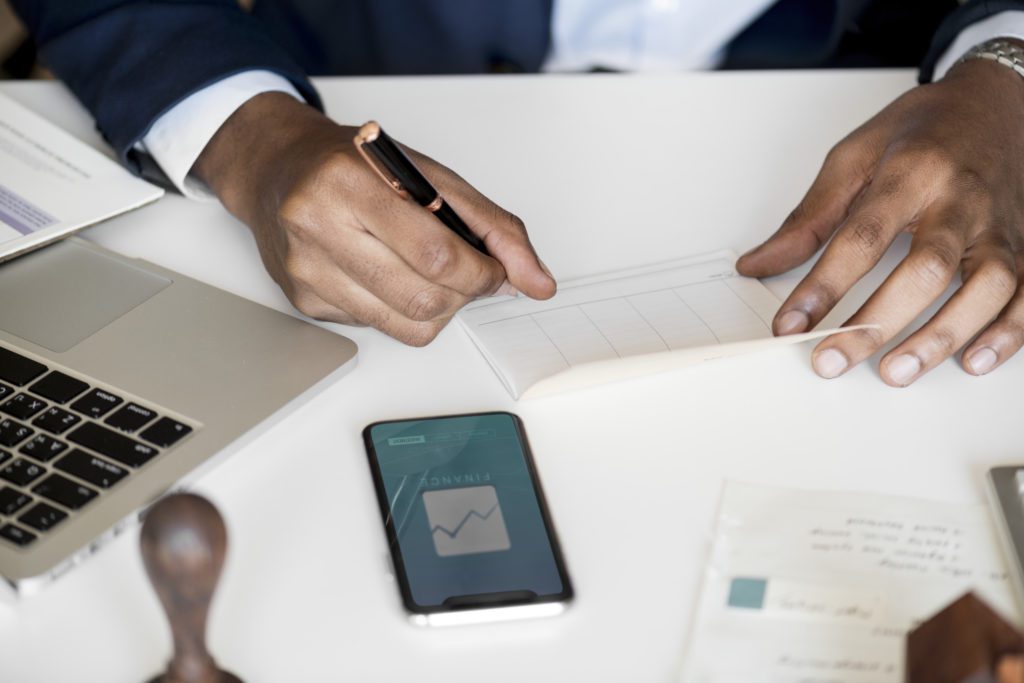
x: 608, y: 172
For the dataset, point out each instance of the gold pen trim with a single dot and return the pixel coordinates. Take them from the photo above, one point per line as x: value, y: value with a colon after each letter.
x: 369, y: 132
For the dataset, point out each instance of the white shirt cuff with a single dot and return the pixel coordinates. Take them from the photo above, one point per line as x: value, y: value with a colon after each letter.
x: 178, y: 137
x: 1009, y: 24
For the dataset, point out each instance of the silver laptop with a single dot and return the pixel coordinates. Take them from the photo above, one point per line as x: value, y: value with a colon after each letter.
x: 119, y: 380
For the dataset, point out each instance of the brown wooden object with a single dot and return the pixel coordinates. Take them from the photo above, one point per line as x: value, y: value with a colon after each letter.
x: 183, y: 546
x: 967, y: 642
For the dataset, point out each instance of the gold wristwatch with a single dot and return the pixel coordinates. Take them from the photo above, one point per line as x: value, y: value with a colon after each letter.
x: 998, y: 50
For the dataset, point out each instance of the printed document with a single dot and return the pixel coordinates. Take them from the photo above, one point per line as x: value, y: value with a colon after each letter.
x: 625, y: 324
x: 52, y: 184
x: 808, y: 586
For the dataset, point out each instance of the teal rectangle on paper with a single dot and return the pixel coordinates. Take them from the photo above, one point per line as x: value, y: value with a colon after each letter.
x: 747, y: 593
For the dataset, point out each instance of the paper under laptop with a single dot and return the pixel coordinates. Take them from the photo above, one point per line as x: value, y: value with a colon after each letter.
x: 626, y: 324
x: 52, y: 184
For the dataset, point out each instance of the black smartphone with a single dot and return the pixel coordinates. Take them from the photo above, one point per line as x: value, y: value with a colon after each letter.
x: 469, y: 532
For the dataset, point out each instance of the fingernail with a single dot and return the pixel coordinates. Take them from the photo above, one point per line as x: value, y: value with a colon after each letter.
x: 903, y: 368
x: 830, y: 363
x: 506, y: 289
x: 982, y: 360
x: 792, y: 322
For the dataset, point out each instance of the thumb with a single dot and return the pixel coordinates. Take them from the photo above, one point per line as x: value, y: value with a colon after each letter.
x: 507, y: 241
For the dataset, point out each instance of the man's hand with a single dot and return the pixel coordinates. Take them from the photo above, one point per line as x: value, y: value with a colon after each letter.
x: 944, y: 162
x: 340, y: 243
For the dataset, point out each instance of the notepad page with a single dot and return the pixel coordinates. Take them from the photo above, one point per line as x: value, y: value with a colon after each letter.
x: 693, y: 302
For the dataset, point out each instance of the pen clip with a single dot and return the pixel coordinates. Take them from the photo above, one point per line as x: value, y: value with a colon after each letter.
x: 369, y: 132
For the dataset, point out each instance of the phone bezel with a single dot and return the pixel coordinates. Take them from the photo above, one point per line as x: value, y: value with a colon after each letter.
x: 395, y: 549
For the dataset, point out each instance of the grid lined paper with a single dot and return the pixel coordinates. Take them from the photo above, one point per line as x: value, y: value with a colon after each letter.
x: 684, y: 304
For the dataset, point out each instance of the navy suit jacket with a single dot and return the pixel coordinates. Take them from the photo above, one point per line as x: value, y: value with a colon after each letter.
x: 129, y: 61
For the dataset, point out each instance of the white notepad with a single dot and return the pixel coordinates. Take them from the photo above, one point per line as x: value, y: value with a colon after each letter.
x: 625, y: 324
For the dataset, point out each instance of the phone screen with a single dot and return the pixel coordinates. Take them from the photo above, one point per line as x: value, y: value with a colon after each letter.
x: 465, y: 516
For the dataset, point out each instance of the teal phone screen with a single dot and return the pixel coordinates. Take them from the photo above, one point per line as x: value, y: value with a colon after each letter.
x: 469, y: 523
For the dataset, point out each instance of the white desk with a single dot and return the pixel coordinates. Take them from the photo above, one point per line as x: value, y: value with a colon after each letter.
x: 607, y: 171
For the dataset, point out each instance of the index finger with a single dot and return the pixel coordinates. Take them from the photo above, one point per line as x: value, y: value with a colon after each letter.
x: 503, y: 233
x: 887, y: 206
x: 843, y: 175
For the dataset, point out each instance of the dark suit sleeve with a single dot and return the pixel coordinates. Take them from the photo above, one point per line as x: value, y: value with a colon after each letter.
x: 130, y: 61
x: 972, y: 12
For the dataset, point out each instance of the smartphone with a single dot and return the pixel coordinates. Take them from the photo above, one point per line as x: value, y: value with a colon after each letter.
x: 469, y: 532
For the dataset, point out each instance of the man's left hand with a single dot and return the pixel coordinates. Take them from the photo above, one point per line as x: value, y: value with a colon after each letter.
x: 944, y: 162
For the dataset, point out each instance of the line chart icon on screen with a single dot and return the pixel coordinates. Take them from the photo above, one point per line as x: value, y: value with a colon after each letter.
x: 465, y: 521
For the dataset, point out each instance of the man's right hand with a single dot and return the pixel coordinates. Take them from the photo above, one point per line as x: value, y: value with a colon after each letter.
x: 340, y: 243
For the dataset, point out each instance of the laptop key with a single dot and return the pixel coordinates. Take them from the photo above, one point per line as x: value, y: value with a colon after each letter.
x: 97, y: 403
x: 91, y: 468
x: 165, y: 432
x: 22, y: 472
x: 58, y: 387
x: 56, y: 421
x: 16, y: 535
x: 64, y: 491
x: 43, y: 517
x: 113, y: 445
x: 17, y: 369
x: 43, y: 448
x: 12, y: 500
x: 23, y: 406
x: 5, y: 391
x: 131, y: 417
x: 12, y: 433
x: 4, y: 457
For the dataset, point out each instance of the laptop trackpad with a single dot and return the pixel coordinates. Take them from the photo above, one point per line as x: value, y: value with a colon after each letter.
x: 60, y: 295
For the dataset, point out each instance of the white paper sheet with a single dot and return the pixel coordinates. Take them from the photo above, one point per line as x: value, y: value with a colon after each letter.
x: 625, y: 324
x: 52, y: 184
x: 805, y: 586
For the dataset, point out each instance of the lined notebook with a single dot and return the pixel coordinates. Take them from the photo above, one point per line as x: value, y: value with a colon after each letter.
x: 625, y: 324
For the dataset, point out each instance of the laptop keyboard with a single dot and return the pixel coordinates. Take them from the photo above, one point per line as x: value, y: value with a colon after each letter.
x: 65, y: 442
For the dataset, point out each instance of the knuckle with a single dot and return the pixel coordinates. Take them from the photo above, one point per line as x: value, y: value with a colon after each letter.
x: 492, y: 279
x: 797, y: 215
x: 934, y: 265
x: 871, y: 337
x: 944, y: 341
x: 299, y: 270
x: 969, y: 181
x: 843, y: 153
x: 517, y: 223
x: 439, y: 260
x: 309, y: 305
x: 507, y: 224
x: 923, y: 156
x: 427, y: 304
x: 422, y: 334
x: 865, y: 235
x: 891, y: 184
x: 999, y: 278
x: 1016, y: 331
x: 822, y: 294
x: 295, y: 212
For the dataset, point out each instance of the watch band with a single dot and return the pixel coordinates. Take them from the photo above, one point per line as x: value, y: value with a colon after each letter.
x: 998, y: 50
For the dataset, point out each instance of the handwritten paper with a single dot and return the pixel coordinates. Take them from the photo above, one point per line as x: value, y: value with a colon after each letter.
x: 806, y: 586
x: 625, y: 324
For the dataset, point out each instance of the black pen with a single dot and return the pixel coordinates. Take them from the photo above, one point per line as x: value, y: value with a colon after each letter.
x: 396, y: 168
